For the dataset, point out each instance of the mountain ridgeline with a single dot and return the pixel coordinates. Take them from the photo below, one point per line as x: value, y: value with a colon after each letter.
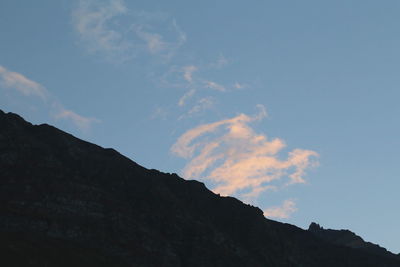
x: 349, y: 239
x: 67, y: 202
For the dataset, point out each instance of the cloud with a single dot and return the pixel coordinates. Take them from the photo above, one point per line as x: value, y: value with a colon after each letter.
x: 181, y: 34
x: 118, y: 32
x: 188, y: 73
x: 202, y: 104
x: 239, y: 85
x: 238, y: 161
x: 185, y: 97
x: 81, y: 122
x: 92, y: 21
x: 262, y: 112
x: 27, y: 87
x: 154, y: 41
x: 282, y: 212
x: 214, y: 85
x: 22, y: 84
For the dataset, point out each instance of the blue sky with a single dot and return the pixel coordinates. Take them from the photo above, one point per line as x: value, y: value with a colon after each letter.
x: 288, y: 105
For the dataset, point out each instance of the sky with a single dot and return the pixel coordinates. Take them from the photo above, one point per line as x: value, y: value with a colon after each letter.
x: 291, y: 106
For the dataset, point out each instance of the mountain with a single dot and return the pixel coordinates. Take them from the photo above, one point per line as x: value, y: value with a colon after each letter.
x: 348, y: 239
x: 67, y: 202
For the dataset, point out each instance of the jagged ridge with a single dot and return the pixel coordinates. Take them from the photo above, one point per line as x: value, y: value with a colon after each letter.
x: 348, y: 239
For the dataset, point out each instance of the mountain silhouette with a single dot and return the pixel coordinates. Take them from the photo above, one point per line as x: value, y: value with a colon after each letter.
x: 67, y: 202
x: 348, y: 239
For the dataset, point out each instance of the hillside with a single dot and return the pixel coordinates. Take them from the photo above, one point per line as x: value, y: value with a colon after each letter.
x: 67, y: 202
x: 349, y: 239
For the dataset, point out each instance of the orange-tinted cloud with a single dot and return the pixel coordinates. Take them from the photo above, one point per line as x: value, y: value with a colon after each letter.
x: 22, y: 84
x: 29, y: 88
x: 281, y: 212
x: 237, y: 160
x: 83, y: 123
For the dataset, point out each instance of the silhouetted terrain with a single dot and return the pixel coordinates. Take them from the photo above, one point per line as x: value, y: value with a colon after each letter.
x: 66, y: 202
x: 348, y: 239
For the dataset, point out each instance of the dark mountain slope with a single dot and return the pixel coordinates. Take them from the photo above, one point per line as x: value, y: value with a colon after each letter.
x: 94, y: 207
x: 348, y: 239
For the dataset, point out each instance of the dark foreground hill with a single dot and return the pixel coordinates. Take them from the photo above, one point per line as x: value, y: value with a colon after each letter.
x: 66, y: 202
x: 349, y: 239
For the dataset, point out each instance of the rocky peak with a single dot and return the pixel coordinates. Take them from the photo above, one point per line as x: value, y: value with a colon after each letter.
x: 314, y: 227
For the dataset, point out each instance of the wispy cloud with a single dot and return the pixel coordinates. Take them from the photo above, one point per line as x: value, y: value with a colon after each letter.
x: 188, y: 73
x: 239, y: 161
x: 181, y: 38
x: 262, y: 112
x: 185, y: 97
x: 281, y: 212
x: 119, y: 32
x: 93, y: 22
x: 81, y: 122
x: 28, y: 88
x: 154, y: 41
x: 110, y: 27
x: 19, y: 82
x: 214, y: 85
x: 188, y: 77
x: 201, y: 105
x: 237, y: 85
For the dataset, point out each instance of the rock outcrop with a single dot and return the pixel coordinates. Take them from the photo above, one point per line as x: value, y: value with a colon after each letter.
x: 348, y: 239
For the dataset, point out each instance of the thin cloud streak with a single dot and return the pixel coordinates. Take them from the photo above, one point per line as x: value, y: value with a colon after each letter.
x: 214, y: 85
x: 22, y: 84
x: 28, y: 88
x: 239, y: 161
x: 185, y: 97
x: 202, y: 104
x: 81, y: 122
x: 281, y: 212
